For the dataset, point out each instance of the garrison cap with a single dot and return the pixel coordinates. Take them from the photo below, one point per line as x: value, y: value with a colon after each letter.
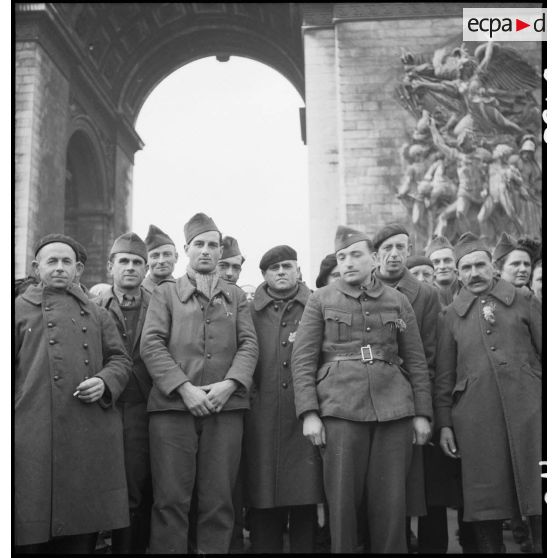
x: 506, y: 244
x: 413, y: 261
x: 197, y: 225
x: 437, y: 243
x: 129, y: 243
x: 468, y: 243
x: 386, y: 232
x: 230, y: 248
x: 326, y: 267
x: 277, y: 254
x: 345, y: 236
x: 58, y: 237
x: 156, y: 237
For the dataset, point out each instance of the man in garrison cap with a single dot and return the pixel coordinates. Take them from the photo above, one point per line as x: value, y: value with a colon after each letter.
x: 161, y: 258
x: 440, y: 252
x: 70, y: 369
x: 200, y: 348
x: 127, y: 303
x: 362, y: 390
x: 488, y: 396
x: 230, y: 264
x: 431, y: 485
x: 283, y: 480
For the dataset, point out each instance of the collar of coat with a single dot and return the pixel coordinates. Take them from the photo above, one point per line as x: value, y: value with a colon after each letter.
x: 185, y: 289
x: 374, y: 289
x: 106, y: 299
x: 262, y: 298
x: 502, y: 290
x: 408, y: 285
x: 34, y: 295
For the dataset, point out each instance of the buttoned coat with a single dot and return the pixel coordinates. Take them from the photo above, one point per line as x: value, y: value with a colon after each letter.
x: 340, y: 318
x: 282, y: 467
x: 69, y: 462
x: 189, y: 338
x: 109, y: 301
x: 488, y: 388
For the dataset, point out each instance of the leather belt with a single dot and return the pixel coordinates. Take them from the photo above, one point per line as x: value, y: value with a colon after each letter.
x: 366, y: 354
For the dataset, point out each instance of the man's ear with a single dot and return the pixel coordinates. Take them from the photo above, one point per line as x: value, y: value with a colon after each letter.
x: 409, y: 248
x: 186, y: 249
x: 35, y: 268
x: 79, y: 268
x: 221, y: 248
x: 109, y: 266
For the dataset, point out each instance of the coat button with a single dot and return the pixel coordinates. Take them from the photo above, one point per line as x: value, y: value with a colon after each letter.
x: 85, y: 345
x: 47, y: 308
x: 50, y: 324
x: 83, y: 329
x: 284, y: 385
x: 284, y: 343
x: 52, y: 342
x: 488, y: 332
x: 285, y: 363
x: 86, y: 361
x: 124, y: 335
x: 208, y: 355
x: 81, y: 313
x: 201, y: 308
x: 275, y: 307
x: 207, y: 321
x: 492, y: 348
x: 367, y: 313
x: 483, y: 301
x: 368, y: 328
x: 283, y: 324
x: 336, y: 318
x: 56, y: 378
x: 364, y: 299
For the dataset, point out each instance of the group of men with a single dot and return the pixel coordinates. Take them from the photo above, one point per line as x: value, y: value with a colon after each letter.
x: 174, y: 412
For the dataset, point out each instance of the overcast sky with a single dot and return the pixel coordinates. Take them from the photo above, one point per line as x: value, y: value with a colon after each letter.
x: 224, y: 139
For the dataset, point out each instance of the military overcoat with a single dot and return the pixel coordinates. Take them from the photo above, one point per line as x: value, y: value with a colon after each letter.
x: 282, y: 467
x: 69, y: 461
x: 488, y: 388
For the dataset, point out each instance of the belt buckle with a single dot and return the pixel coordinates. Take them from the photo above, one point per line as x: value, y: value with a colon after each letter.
x: 366, y: 354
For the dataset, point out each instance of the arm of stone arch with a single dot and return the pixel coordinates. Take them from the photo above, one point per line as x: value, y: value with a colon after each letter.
x: 306, y: 354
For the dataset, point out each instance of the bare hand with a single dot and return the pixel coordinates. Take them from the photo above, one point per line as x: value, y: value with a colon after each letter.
x: 219, y: 393
x: 90, y: 390
x: 447, y: 442
x: 313, y: 429
x: 196, y: 400
x: 421, y: 431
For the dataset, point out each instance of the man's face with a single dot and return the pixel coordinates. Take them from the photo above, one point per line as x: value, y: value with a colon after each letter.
x: 204, y: 251
x: 282, y: 276
x: 56, y: 265
x: 517, y: 268
x: 333, y: 275
x: 537, y: 281
x: 230, y: 268
x: 161, y: 261
x: 424, y: 273
x: 127, y: 270
x: 392, y: 254
x: 476, y: 272
x: 444, y: 266
x: 355, y: 263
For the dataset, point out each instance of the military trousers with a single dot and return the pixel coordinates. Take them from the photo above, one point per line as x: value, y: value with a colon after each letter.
x: 370, y: 459
x: 186, y: 449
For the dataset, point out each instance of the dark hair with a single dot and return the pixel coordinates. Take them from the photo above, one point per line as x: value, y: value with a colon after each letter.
x: 500, y: 262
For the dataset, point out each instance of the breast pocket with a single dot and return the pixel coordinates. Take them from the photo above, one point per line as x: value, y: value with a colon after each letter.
x: 338, y: 325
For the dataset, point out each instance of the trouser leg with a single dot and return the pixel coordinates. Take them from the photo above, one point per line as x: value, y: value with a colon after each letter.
x: 237, y: 539
x: 467, y: 538
x: 535, y: 526
x: 135, y: 538
x: 345, y: 461
x: 433, y: 531
x: 218, y: 461
x: 74, y: 544
x: 389, y: 462
x: 174, y: 442
x: 266, y: 530
x: 489, y: 536
x: 302, y: 529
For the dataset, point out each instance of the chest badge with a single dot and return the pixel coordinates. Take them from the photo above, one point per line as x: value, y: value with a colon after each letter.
x: 292, y: 336
x: 488, y: 312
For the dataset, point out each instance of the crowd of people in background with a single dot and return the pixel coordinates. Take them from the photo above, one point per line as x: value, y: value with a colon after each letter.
x: 177, y: 415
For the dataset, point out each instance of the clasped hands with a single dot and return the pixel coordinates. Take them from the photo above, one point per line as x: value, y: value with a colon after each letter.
x: 206, y: 400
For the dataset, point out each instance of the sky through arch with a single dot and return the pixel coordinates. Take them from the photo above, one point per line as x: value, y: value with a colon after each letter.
x: 224, y: 138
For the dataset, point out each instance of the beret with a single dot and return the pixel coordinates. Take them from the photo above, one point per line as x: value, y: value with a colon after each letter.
x: 326, y: 267
x: 345, y: 236
x: 230, y: 248
x: 129, y: 243
x: 277, y: 254
x: 65, y: 239
x: 467, y: 243
x: 197, y: 225
x: 156, y: 237
x: 82, y: 252
x: 413, y: 261
x: 437, y: 243
x: 386, y: 232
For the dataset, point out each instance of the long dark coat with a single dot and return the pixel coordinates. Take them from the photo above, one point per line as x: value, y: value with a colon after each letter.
x: 69, y: 461
x: 488, y: 388
x: 282, y: 467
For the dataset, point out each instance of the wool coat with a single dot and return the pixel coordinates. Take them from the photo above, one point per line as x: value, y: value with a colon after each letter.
x: 282, y: 467
x: 341, y: 318
x: 68, y: 455
x: 189, y: 338
x: 488, y: 389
